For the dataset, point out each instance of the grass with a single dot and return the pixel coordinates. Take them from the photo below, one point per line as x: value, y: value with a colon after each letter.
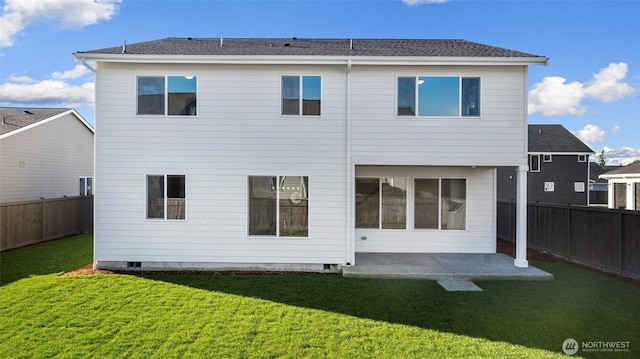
x: 44, y: 315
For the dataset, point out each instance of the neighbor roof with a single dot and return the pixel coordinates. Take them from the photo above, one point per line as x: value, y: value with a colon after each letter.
x: 16, y: 118
x: 633, y: 168
x: 312, y: 47
x: 554, y: 139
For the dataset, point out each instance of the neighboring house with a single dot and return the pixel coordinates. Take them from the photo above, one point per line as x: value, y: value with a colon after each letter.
x: 598, y: 187
x: 44, y: 153
x: 300, y: 153
x: 624, y: 187
x: 558, y: 168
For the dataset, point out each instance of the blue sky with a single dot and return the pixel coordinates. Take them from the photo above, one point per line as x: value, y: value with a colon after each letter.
x: 591, y: 86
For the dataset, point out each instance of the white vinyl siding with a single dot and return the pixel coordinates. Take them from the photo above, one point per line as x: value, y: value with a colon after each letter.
x: 497, y: 137
x: 238, y: 132
x: 46, y: 160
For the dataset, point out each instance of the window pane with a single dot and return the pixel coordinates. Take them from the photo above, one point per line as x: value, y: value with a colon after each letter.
x: 367, y: 202
x: 394, y: 203
x: 438, y: 96
x: 155, y: 196
x: 426, y: 203
x: 262, y: 206
x: 311, y: 90
x: 470, y: 96
x: 535, y: 163
x: 406, y: 96
x: 294, y: 206
x: 83, y: 191
x: 620, y: 195
x: 454, y: 203
x: 89, y: 186
x: 290, y: 95
x: 176, y: 197
x: 151, y: 95
x: 182, y: 95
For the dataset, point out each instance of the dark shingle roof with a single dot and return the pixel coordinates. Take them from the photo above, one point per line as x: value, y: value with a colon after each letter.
x: 312, y: 47
x: 14, y: 118
x: 553, y: 139
x: 632, y: 168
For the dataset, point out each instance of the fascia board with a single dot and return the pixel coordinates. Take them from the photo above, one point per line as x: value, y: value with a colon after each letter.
x: 623, y: 176
x: 561, y: 153
x: 314, y: 60
x: 52, y: 118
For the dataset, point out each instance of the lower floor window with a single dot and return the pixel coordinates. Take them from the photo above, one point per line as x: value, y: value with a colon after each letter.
x: 279, y: 206
x: 440, y: 203
x: 86, y: 186
x: 381, y: 203
x: 166, y: 197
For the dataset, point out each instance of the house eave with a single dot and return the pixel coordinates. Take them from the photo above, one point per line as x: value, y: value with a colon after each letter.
x: 47, y: 120
x: 311, y: 60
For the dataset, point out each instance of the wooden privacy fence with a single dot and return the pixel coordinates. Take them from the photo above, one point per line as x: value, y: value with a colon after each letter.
x: 24, y: 223
x: 602, y: 238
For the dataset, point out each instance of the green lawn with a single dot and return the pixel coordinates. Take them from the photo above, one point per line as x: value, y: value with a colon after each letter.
x: 43, y: 315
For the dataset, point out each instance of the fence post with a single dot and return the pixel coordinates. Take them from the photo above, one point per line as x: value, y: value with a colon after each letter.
x: 620, y: 234
x: 569, y: 230
x: 43, y: 218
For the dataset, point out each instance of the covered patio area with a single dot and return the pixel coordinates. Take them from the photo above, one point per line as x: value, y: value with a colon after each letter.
x: 442, y: 267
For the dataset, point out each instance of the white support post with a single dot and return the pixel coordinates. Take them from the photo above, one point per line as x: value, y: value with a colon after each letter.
x: 521, y: 218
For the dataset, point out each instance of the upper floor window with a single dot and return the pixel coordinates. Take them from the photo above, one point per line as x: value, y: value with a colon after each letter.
x: 301, y: 95
x: 547, y: 158
x: 167, y: 95
x: 582, y: 158
x: 438, y: 96
x: 534, y: 163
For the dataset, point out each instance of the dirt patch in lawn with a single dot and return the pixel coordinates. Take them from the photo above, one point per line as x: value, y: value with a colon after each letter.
x: 85, y: 270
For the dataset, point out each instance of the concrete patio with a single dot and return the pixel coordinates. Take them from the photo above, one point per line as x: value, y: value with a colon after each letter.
x: 441, y: 267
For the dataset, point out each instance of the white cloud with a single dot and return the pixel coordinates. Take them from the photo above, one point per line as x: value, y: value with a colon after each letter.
x: 418, y: 2
x: 77, y: 72
x: 553, y: 97
x: 23, y: 79
x: 605, y: 86
x: 18, y: 14
x: 620, y: 157
x: 54, y: 91
x: 615, y: 129
x: 591, y: 134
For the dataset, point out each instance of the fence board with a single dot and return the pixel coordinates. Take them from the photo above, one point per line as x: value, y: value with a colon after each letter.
x: 603, y: 238
x: 25, y: 223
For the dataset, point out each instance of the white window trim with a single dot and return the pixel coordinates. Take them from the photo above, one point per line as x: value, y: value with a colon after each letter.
x: 547, y: 158
x: 166, y: 97
x: 300, y: 107
x: 531, y: 168
x: 417, y: 94
x: 86, y: 185
x: 582, y: 158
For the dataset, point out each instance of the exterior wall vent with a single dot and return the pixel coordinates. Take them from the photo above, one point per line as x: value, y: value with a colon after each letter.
x: 134, y: 265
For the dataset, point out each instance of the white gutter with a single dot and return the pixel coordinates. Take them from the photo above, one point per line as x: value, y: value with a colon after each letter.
x: 325, y: 60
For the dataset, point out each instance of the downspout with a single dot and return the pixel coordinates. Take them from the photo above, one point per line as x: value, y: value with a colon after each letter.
x: 86, y: 64
x: 349, y: 175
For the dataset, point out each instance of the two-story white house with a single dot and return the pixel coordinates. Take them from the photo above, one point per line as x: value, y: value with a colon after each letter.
x: 299, y: 153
